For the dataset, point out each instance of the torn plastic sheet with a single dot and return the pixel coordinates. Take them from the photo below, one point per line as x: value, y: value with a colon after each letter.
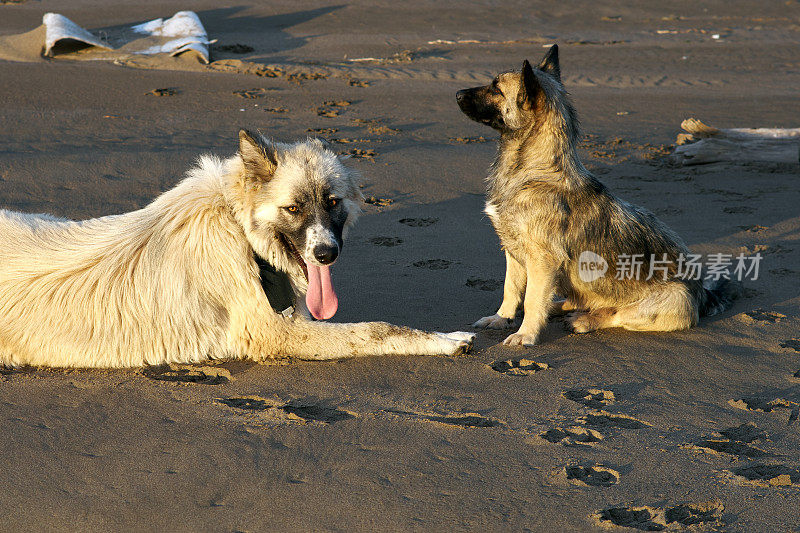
x: 178, y: 34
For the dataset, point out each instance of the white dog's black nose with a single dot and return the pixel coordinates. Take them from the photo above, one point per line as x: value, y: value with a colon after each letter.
x: 326, y: 254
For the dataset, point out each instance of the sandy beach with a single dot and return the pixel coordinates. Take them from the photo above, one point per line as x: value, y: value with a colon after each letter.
x: 610, y: 430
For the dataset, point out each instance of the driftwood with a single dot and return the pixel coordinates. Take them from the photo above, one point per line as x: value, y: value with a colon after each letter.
x: 703, y: 144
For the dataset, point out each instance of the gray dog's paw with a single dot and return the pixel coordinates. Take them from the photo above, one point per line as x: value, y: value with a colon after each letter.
x: 580, y: 322
x: 494, y: 322
x: 520, y: 339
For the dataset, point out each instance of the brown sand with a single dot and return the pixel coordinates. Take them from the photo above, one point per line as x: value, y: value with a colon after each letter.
x: 27, y: 47
x: 641, y: 430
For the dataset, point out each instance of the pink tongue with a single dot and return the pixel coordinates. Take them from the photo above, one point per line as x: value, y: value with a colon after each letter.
x: 321, y: 299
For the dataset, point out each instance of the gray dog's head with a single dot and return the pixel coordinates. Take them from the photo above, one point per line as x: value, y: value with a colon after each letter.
x: 512, y: 101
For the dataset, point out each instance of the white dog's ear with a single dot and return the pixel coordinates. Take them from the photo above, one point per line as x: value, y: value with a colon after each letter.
x: 259, y: 156
x: 324, y: 143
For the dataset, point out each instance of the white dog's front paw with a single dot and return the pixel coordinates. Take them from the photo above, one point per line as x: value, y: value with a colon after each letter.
x: 494, y: 322
x: 520, y: 339
x: 458, y: 342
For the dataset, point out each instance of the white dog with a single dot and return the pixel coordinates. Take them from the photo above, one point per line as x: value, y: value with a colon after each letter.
x: 215, y: 268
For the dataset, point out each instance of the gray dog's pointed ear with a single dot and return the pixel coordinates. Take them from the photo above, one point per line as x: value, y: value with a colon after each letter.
x: 529, y: 86
x: 550, y: 64
x: 258, y: 156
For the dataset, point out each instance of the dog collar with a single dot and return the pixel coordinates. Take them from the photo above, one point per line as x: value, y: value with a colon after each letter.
x: 277, y: 287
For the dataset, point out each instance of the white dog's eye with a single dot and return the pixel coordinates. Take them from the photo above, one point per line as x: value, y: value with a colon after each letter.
x: 292, y: 208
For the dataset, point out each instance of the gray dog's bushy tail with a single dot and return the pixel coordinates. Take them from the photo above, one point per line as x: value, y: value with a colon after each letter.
x: 719, y: 295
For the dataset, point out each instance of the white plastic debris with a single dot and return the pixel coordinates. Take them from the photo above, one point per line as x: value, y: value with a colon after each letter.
x: 178, y: 34
x: 185, y: 30
x: 58, y: 27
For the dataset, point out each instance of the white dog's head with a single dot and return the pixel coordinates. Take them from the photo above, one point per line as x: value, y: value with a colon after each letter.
x: 302, y: 198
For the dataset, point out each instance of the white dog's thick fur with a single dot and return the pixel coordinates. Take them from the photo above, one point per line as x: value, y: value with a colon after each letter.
x: 177, y: 281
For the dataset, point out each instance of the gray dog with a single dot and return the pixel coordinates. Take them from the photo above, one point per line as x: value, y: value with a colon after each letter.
x: 555, y: 219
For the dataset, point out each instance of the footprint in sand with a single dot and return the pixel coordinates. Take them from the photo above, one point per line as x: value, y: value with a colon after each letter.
x: 299, y: 77
x: 765, y: 405
x: 252, y: 403
x: 774, y: 475
x: 234, y: 48
x: 433, y: 264
x: 603, y: 419
x: 668, y: 211
x: 690, y: 514
x: 419, y: 222
x: 586, y: 433
x: 744, y: 433
x: 257, y: 92
x: 376, y: 126
x: 647, y: 518
x: 643, y: 518
x: 793, y: 344
x: 359, y: 153
x: 593, y: 476
x: 350, y: 140
x: 736, y: 441
x: 760, y: 315
x: 523, y: 367
x: 386, y: 241
x: 332, y: 108
x: 572, y: 436
x: 750, y: 292
x: 358, y: 83
x: 322, y: 131
x: 729, y: 447
x: 378, y: 202
x: 468, y: 140
x: 738, y: 210
x: 765, y: 249
x: 205, y: 375
x: 484, y: 284
x: 164, y: 91
x: 594, y: 398
x: 316, y: 412
x: 467, y: 420
x: 755, y: 228
x: 299, y: 410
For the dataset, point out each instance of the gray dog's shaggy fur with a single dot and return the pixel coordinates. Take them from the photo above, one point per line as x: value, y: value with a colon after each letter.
x: 548, y: 209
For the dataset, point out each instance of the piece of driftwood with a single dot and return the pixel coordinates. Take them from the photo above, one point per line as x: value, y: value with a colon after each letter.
x: 703, y: 144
